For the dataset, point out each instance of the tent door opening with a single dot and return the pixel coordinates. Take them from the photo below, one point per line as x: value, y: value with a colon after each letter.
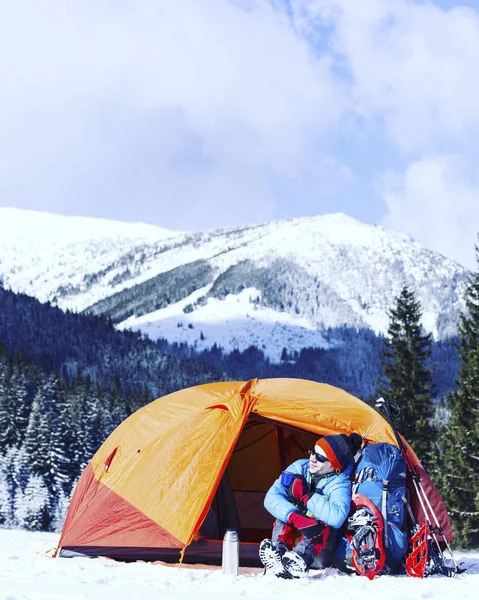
x: 264, y: 449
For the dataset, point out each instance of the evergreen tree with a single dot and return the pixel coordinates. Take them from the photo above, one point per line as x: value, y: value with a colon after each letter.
x: 49, y: 435
x: 21, y: 470
x: 9, y: 478
x: 90, y: 426
x: 19, y: 392
x: 459, y: 441
x: 62, y: 503
x: 8, y: 434
x: 32, y: 506
x: 407, y: 377
x: 37, y: 437
x: 14, y: 402
x: 5, y: 503
x: 74, y: 433
x: 4, y: 409
x: 59, y: 449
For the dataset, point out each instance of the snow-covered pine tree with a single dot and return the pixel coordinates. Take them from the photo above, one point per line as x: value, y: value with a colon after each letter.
x: 37, y: 436
x: 407, y: 377
x: 32, y: 506
x: 62, y: 502
x: 82, y: 403
x: 61, y: 433
x: 21, y: 468
x: 49, y: 435
x: 459, y: 441
x: 5, y: 499
x: 4, y: 415
x: 116, y: 402
x: 9, y: 477
x: 8, y: 434
x: 96, y: 421
x: 74, y: 432
x: 86, y: 425
x: 19, y: 391
x: 15, y: 401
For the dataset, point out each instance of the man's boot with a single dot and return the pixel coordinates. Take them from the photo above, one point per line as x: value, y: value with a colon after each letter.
x: 294, y: 564
x: 270, y: 556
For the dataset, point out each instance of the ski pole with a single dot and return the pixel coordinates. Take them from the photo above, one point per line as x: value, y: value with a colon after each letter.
x: 438, y: 525
x: 381, y: 402
x: 384, y: 404
x: 428, y: 520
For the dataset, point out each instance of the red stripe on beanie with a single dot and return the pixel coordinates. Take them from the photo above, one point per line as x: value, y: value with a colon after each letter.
x: 331, y: 456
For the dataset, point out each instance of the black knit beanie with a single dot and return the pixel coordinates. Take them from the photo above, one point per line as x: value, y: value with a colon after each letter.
x: 340, y: 449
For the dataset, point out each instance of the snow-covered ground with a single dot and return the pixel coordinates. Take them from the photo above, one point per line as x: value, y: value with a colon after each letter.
x: 27, y: 573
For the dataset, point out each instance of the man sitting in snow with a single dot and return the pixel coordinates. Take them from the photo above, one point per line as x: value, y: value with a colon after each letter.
x: 310, y: 502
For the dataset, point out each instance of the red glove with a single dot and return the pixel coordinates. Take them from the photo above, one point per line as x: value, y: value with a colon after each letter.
x: 309, y: 527
x: 299, y: 491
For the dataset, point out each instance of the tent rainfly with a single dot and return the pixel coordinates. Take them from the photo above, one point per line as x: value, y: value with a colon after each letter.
x: 169, y: 481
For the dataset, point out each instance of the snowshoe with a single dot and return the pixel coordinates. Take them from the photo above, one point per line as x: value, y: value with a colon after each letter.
x: 294, y: 564
x: 424, y: 558
x: 270, y: 557
x: 418, y: 557
x: 365, y: 535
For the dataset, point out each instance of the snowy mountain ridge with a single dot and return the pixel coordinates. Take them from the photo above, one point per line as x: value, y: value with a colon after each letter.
x: 277, y: 284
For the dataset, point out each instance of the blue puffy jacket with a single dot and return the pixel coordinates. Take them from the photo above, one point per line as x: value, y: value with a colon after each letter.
x: 329, y: 503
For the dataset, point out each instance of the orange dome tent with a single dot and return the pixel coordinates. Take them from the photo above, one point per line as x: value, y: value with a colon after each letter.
x: 177, y: 473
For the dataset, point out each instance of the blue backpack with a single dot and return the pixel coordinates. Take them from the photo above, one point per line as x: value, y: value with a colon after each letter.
x: 381, y: 477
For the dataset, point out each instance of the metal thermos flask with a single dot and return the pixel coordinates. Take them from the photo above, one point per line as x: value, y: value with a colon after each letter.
x: 230, y: 553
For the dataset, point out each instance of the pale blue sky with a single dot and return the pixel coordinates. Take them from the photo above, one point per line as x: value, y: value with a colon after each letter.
x: 197, y: 114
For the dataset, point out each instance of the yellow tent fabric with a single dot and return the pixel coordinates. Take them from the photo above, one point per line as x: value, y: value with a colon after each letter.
x: 172, y: 453
x: 160, y: 469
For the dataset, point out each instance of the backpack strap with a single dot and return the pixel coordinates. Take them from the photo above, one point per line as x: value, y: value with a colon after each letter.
x: 384, y: 511
x: 365, y: 474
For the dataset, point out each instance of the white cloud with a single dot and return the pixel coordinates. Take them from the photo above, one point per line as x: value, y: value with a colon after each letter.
x: 412, y: 71
x: 201, y: 113
x: 437, y: 202
x: 86, y: 81
x: 412, y: 65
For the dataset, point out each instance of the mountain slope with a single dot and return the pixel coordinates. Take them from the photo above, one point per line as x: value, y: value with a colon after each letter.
x: 78, y: 344
x: 53, y: 257
x: 274, y: 284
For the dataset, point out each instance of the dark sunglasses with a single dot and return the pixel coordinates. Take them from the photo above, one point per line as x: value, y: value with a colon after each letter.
x: 319, y: 457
